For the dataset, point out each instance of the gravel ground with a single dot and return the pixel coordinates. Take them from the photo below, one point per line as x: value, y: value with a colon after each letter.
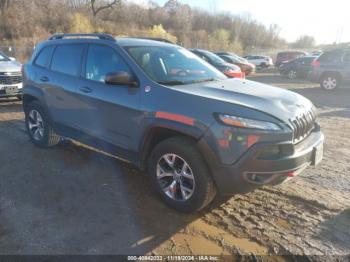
x: 73, y: 200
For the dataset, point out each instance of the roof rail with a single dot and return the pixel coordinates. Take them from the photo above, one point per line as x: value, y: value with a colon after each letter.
x: 154, y: 39
x: 99, y: 36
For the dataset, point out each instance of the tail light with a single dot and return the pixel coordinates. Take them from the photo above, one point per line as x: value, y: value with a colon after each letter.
x: 233, y: 74
x: 316, y: 64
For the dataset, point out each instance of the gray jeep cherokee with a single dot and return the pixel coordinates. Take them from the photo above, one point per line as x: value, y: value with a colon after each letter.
x: 160, y: 107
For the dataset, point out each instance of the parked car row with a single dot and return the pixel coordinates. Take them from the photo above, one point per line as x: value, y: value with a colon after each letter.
x: 246, y: 67
x: 229, y: 69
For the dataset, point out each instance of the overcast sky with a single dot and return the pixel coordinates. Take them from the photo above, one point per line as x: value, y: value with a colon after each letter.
x: 326, y: 21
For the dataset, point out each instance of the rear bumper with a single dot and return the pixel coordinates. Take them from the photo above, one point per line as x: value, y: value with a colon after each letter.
x: 251, y: 171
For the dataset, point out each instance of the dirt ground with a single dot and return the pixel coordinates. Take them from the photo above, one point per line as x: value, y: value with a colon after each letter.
x: 71, y: 200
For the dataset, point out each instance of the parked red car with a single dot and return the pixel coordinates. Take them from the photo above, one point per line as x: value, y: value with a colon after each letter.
x: 288, y: 56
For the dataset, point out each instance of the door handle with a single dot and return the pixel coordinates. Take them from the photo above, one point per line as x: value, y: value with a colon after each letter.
x: 85, y: 89
x: 44, y: 79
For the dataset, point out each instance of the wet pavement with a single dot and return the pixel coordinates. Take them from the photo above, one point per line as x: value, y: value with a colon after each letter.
x: 73, y: 200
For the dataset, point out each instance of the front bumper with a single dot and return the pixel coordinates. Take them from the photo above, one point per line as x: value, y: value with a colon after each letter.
x: 252, y: 171
x: 16, y: 90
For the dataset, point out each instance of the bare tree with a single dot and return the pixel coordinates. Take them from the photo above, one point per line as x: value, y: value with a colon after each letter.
x: 95, y: 9
x: 4, y: 4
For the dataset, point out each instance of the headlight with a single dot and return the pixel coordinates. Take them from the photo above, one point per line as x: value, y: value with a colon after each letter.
x: 248, y: 123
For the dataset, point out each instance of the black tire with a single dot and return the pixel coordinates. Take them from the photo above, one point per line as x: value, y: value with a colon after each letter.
x: 49, y: 137
x: 330, y: 81
x: 204, y: 191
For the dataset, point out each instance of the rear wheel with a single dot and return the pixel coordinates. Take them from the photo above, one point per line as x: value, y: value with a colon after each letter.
x: 330, y: 82
x: 39, y: 126
x: 292, y: 74
x: 180, y: 175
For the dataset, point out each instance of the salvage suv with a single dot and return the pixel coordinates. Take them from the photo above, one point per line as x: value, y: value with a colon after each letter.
x: 159, y: 106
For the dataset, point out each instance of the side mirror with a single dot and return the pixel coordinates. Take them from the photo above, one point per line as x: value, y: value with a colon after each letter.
x: 12, y: 58
x: 121, y: 78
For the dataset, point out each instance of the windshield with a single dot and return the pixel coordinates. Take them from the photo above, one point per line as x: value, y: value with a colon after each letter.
x: 3, y: 57
x: 173, y: 65
x: 215, y: 59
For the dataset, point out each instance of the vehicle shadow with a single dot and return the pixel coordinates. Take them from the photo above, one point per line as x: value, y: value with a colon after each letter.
x: 336, y: 231
x: 74, y: 200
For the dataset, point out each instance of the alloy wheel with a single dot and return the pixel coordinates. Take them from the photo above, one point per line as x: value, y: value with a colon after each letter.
x: 175, y: 177
x: 292, y: 74
x: 330, y: 83
x: 36, y: 125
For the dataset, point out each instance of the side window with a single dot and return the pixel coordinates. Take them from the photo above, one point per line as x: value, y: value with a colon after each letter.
x: 329, y: 57
x: 44, y: 56
x: 102, y: 60
x: 204, y: 58
x: 346, y: 58
x: 67, y: 59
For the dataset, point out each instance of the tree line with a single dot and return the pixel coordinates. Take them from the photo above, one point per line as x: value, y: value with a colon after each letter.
x: 28, y: 21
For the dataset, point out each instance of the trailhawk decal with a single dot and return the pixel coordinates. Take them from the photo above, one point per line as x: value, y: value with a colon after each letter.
x: 175, y: 117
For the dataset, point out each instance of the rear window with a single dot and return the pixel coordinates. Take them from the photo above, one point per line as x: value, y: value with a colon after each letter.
x: 67, y: 59
x: 44, y: 56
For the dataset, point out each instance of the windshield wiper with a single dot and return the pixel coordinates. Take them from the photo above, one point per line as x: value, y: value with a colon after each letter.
x: 172, y: 82
x: 204, y: 80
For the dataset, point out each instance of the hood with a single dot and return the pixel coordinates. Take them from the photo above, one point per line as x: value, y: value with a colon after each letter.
x: 10, y: 66
x: 274, y: 101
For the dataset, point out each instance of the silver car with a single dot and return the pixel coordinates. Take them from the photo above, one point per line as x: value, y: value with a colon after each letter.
x: 10, y: 77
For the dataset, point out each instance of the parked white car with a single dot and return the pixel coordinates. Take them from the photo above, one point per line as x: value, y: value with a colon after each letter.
x: 10, y: 77
x: 259, y: 60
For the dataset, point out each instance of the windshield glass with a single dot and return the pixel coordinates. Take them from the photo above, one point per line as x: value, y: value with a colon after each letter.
x: 215, y: 59
x: 173, y: 65
x: 3, y: 57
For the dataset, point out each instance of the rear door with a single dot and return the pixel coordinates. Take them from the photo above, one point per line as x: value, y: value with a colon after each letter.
x: 62, y: 81
x: 110, y: 112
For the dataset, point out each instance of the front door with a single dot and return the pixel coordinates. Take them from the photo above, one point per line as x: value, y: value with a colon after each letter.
x: 109, y: 112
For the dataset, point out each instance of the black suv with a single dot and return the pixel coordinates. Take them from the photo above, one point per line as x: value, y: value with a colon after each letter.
x: 331, y: 69
x: 162, y: 108
x: 297, y: 68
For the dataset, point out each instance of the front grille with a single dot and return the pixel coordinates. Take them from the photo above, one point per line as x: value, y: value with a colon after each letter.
x: 10, y: 78
x: 303, y: 125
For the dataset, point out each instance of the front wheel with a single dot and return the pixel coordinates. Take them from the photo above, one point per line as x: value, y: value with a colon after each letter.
x: 180, y: 175
x: 39, y: 126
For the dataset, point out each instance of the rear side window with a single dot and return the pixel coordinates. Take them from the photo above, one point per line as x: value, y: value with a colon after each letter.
x: 44, y: 56
x: 346, y: 58
x: 329, y: 57
x: 67, y: 59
